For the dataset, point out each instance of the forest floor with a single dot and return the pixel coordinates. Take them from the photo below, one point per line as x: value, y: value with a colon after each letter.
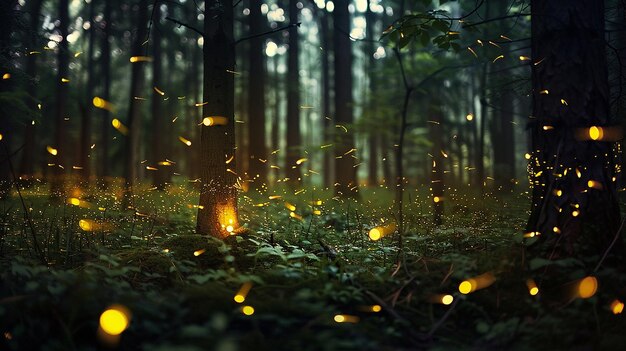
x: 316, y: 281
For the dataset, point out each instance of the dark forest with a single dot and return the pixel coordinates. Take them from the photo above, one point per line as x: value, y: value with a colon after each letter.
x: 312, y: 174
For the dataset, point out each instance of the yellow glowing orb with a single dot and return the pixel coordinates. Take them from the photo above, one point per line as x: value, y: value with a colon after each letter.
x: 52, y: 150
x: 596, y: 133
x: 527, y: 156
x: 447, y: 299
x: 339, y: 318
x: 85, y: 225
x: 533, y: 291
x: 376, y: 308
x: 587, y: 287
x: 247, y: 310
x: 465, y: 287
x: 375, y: 234
x: 230, y: 228
x: 113, y: 321
x: 617, y: 307
x: 239, y: 298
x: 469, y: 116
x: 74, y: 201
x: 437, y: 199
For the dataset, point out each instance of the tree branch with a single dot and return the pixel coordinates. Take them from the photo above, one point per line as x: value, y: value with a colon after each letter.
x: 268, y: 32
x: 181, y: 24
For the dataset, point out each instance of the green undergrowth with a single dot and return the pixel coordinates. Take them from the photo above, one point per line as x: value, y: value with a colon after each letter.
x: 305, y: 269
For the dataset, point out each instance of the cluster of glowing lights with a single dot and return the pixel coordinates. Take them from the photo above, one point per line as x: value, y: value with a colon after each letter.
x: 114, y: 320
x: 215, y: 121
x: 476, y: 283
x: 379, y: 232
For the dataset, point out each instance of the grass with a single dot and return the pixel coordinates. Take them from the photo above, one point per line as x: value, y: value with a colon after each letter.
x: 304, y: 272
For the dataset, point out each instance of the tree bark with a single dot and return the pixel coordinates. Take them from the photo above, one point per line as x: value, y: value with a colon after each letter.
x: 570, y: 64
x: 60, y: 138
x: 327, y: 120
x: 345, y: 172
x: 257, y: 169
x: 28, y: 152
x: 134, y: 111
x: 292, y: 171
x: 105, y: 62
x: 218, y: 195
x: 158, y: 115
x: 85, y: 131
x: 372, y: 141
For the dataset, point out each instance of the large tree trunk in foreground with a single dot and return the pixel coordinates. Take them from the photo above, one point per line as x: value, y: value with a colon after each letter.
x: 574, y: 202
x: 257, y: 168
x: 292, y: 171
x: 60, y: 136
x: 134, y: 112
x: 345, y: 172
x: 218, y: 195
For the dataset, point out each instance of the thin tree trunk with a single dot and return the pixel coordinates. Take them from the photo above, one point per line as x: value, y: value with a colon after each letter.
x: 85, y: 131
x: 345, y: 172
x: 134, y: 111
x: 372, y: 141
x: 158, y: 115
x: 256, y: 99
x: 218, y: 195
x: 60, y: 160
x: 327, y: 121
x: 292, y: 171
x: 436, y: 174
x: 28, y: 152
x: 106, y: 95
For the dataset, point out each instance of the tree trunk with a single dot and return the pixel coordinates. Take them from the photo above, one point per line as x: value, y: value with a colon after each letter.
x: 372, y: 141
x: 436, y: 175
x: 134, y: 111
x: 345, y: 172
x: 292, y: 171
x: 28, y: 152
x: 277, y: 119
x: 85, y: 131
x: 158, y: 115
x: 218, y: 195
x: 7, y: 9
x: 570, y: 64
x: 60, y: 138
x: 106, y: 95
x: 257, y: 169
x: 502, y: 136
x: 327, y: 121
